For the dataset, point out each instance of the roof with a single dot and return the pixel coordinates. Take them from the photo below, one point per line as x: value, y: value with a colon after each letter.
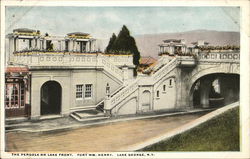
x: 147, y: 60
x: 172, y: 40
x: 78, y: 34
x: 195, y: 43
x: 24, y: 30
x: 16, y: 69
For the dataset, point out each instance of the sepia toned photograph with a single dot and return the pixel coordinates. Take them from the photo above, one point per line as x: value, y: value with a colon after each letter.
x: 97, y: 80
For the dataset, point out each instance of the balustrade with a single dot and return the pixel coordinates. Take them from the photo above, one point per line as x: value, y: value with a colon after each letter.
x: 165, y: 69
x: 125, y: 92
x: 70, y: 61
x: 219, y: 56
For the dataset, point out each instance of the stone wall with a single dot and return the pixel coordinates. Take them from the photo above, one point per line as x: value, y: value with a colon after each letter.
x: 68, y: 79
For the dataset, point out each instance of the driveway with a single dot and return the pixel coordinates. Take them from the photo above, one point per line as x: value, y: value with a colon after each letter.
x: 106, y: 137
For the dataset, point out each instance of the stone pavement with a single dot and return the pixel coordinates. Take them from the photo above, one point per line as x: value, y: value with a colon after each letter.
x: 110, y: 136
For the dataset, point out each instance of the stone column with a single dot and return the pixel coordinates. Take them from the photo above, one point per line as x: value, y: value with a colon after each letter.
x: 94, y: 45
x: 89, y: 46
x: 70, y: 45
x: 107, y: 106
x: 125, y: 73
x: 17, y: 44
x: 160, y: 49
x: 33, y: 43
x: 171, y: 50
x: 59, y: 45
x: 41, y: 44
x: 11, y: 45
x: 205, y: 86
x: 75, y: 45
x: 44, y: 44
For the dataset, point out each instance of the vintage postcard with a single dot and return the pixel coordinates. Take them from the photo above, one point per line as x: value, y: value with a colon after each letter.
x: 123, y: 79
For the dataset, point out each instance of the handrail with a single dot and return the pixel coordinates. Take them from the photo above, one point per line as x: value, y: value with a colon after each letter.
x: 112, y: 68
x: 165, y: 69
x: 112, y: 94
x: 126, y: 91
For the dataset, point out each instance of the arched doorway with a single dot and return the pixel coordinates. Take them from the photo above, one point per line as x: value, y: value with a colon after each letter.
x: 146, y: 100
x: 215, y: 90
x: 51, y: 94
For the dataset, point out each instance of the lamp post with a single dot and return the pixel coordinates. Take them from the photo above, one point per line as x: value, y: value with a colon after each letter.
x: 107, y: 104
x: 108, y: 90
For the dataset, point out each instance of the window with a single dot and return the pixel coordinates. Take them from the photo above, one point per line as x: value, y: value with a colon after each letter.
x: 79, y: 91
x: 164, y: 88
x: 84, y: 91
x: 170, y: 82
x: 88, y: 90
x: 22, y: 95
x: 14, y: 95
x: 158, y: 94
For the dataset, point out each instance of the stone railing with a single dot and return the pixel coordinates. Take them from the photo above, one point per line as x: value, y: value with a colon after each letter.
x: 119, y: 60
x: 109, y: 67
x: 219, y: 56
x: 160, y: 62
x: 165, y: 69
x: 72, y: 61
x: 124, y: 93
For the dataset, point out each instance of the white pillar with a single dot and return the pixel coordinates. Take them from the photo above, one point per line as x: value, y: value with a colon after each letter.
x: 107, y: 106
x: 90, y: 46
x: 17, y: 44
x: 44, y: 44
x: 125, y: 73
x: 74, y: 45
x: 205, y: 86
x: 38, y: 43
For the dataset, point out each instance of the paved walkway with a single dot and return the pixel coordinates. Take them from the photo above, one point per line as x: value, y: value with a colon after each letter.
x: 105, y: 137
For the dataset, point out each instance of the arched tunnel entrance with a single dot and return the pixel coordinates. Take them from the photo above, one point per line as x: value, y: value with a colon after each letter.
x: 51, y: 94
x: 215, y: 90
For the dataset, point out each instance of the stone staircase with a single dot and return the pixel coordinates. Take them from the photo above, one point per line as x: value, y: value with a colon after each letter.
x: 162, y: 70
x: 88, y: 115
x: 93, y: 113
x: 97, y: 112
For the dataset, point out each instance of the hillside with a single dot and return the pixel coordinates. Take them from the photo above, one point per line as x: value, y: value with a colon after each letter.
x: 221, y: 133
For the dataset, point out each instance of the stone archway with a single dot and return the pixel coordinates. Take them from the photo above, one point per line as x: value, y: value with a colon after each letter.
x: 146, y: 100
x: 51, y: 94
x: 213, y: 90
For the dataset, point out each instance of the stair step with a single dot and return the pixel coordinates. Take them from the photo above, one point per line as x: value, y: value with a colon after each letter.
x: 83, y: 108
x: 88, y: 119
x: 85, y: 115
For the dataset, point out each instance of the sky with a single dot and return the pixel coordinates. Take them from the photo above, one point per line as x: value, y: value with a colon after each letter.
x: 101, y: 22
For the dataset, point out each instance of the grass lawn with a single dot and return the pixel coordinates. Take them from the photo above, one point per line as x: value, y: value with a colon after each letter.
x: 218, y: 134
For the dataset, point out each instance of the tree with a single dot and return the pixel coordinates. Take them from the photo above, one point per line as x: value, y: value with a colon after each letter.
x: 111, y: 43
x: 125, y: 44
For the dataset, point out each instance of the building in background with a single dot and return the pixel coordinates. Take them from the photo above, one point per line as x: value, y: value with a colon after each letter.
x: 17, y: 91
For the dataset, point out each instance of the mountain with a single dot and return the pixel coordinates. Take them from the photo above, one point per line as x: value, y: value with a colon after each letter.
x: 148, y: 43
